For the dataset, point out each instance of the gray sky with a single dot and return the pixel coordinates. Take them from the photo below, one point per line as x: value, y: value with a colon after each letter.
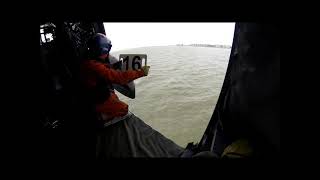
x: 132, y: 35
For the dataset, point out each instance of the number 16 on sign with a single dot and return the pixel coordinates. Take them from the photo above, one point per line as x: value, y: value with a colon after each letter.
x: 132, y: 61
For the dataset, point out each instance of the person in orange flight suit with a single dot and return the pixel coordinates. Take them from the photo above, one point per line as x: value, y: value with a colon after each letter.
x: 98, y: 76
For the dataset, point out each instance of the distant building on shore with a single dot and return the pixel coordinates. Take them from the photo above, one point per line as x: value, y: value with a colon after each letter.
x: 207, y: 45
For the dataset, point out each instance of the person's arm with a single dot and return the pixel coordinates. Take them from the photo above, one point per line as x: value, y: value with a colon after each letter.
x: 115, y: 76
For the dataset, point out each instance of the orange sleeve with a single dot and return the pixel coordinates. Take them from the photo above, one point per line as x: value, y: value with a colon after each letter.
x: 115, y: 76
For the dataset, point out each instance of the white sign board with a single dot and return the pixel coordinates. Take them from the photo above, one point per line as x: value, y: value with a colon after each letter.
x: 132, y: 61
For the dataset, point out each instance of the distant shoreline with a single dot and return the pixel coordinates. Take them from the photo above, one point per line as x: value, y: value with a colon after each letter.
x: 193, y: 45
x: 206, y: 45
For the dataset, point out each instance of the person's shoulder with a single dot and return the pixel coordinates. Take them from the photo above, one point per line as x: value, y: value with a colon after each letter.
x: 96, y: 64
x: 91, y: 61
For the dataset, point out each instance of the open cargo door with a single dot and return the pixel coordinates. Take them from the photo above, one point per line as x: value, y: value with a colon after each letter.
x: 249, y: 103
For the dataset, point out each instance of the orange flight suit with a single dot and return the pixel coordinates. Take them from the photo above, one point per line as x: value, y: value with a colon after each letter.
x: 111, y: 107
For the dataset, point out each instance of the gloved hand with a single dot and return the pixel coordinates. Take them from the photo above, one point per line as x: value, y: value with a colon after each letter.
x: 145, y: 69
